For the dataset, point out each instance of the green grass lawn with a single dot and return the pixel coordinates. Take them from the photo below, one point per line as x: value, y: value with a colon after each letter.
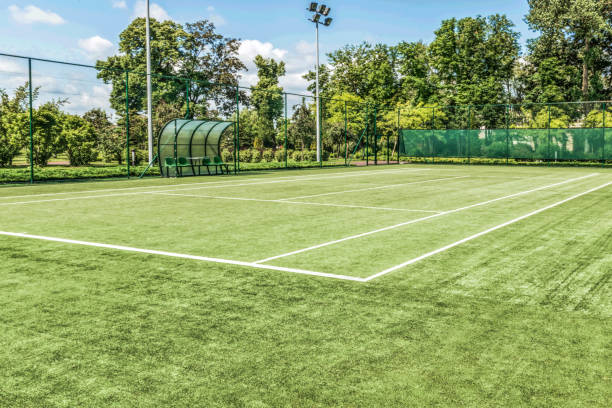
x: 520, y: 316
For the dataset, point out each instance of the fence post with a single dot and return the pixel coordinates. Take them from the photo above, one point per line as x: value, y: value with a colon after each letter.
x: 367, y: 135
x: 388, y: 146
x: 468, y: 132
x: 433, y: 133
x: 603, y: 137
x: 548, y: 148
x: 31, y: 119
x: 507, y: 134
x: 238, y: 127
x: 187, y: 86
x: 375, y: 136
x: 127, y: 122
x: 345, y: 136
x: 286, y: 122
x: 399, y: 131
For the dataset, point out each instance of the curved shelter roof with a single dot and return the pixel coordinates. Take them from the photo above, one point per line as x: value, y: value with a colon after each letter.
x: 191, y: 139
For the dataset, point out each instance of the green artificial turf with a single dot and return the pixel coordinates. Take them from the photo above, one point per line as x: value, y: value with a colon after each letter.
x: 517, y: 317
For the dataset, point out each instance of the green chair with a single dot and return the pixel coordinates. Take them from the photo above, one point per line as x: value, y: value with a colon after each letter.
x: 170, y: 163
x: 217, y: 160
x: 183, y: 162
x: 208, y: 163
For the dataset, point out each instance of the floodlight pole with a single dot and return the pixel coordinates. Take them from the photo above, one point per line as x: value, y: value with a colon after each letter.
x: 317, y: 98
x: 149, y: 103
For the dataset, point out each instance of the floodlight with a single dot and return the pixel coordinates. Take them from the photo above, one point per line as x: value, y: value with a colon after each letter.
x: 322, y: 8
x: 316, y: 18
x: 313, y: 7
x: 326, y: 11
x: 328, y: 21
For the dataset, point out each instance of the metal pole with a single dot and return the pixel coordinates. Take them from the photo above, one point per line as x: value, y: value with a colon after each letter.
x: 149, y: 102
x: 317, y: 97
x: 187, y: 86
x: 367, y: 135
x: 548, y: 147
x: 433, y: 132
x: 507, y: 134
x: 127, y: 123
x: 603, y: 137
x: 238, y: 126
x: 375, y: 136
x: 286, y: 121
x: 398, y: 134
x: 388, y: 146
x: 345, y: 136
x: 31, y: 127
x: 468, y: 132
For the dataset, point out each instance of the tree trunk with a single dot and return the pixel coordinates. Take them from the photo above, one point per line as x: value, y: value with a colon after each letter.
x: 585, y: 70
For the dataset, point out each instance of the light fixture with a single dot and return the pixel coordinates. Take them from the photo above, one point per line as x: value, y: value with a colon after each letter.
x: 326, y: 11
x: 316, y: 18
x: 327, y: 21
x: 322, y: 8
x: 313, y: 7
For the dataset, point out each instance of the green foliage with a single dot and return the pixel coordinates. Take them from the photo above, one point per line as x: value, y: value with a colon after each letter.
x: 80, y: 139
x: 246, y: 155
x: 227, y: 156
x: 255, y: 156
x: 267, y: 98
x: 279, y: 155
x: 268, y: 155
x: 14, y: 124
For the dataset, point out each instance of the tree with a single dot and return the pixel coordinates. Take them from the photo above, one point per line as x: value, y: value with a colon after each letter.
x: 195, y: 51
x: 267, y: 98
x: 79, y: 137
x: 14, y: 123
x: 473, y: 59
x: 302, y: 127
x: 580, y: 23
x: 416, y: 83
x: 47, y: 135
x: 110, y: 138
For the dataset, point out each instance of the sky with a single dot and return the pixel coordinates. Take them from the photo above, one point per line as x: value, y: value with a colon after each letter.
x: 85, y: 30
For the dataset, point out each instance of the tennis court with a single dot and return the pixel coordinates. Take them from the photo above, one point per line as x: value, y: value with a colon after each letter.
x: 351, y: 224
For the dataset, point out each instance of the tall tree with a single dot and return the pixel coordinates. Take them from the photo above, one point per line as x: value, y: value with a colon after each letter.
x: 581, y: 23
x: 267, y: 98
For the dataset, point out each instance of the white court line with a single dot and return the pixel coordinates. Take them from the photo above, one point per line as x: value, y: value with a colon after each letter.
x: 364, y: 234
x: 306, y: 176
x: 372, y: 188
x: 201, y: 187
x: 295, y: 202
x: 184, y: 256
x: 480, y: 234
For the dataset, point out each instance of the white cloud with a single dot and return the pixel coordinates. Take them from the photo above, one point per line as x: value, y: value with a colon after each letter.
x: 32, y: 14
x: 298, y: 62
x: 96, y: 47
x: 215, y: 18
x: 155, y: 11
x: 120, y: 4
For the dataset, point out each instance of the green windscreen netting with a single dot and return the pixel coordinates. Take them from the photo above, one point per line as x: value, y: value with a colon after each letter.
x: 581, y: 144
x: 190, y: 140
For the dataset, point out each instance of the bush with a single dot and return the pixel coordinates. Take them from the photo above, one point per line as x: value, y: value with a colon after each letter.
x: 310, y: 155
x: 227, y: 156
x: 324, y: 155
x: 297, y: 156
x: 255, y: 156
x: 246, y: 155
x: 268, y: 155
x: 280, y: 155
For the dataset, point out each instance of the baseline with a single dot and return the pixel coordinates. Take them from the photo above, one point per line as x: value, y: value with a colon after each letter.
x: 183, y: 256
x: 205, y: 186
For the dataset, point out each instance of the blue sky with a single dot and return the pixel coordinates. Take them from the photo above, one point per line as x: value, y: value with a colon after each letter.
x: 82, y: 31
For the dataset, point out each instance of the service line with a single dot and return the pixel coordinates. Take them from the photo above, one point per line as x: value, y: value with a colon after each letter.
x: 364, y: 234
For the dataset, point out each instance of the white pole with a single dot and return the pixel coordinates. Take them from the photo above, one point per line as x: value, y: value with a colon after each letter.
x: 149, y: 103
x: 317, y: 99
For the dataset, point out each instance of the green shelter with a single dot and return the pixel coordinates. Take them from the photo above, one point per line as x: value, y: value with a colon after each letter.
x: 190, y: 141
